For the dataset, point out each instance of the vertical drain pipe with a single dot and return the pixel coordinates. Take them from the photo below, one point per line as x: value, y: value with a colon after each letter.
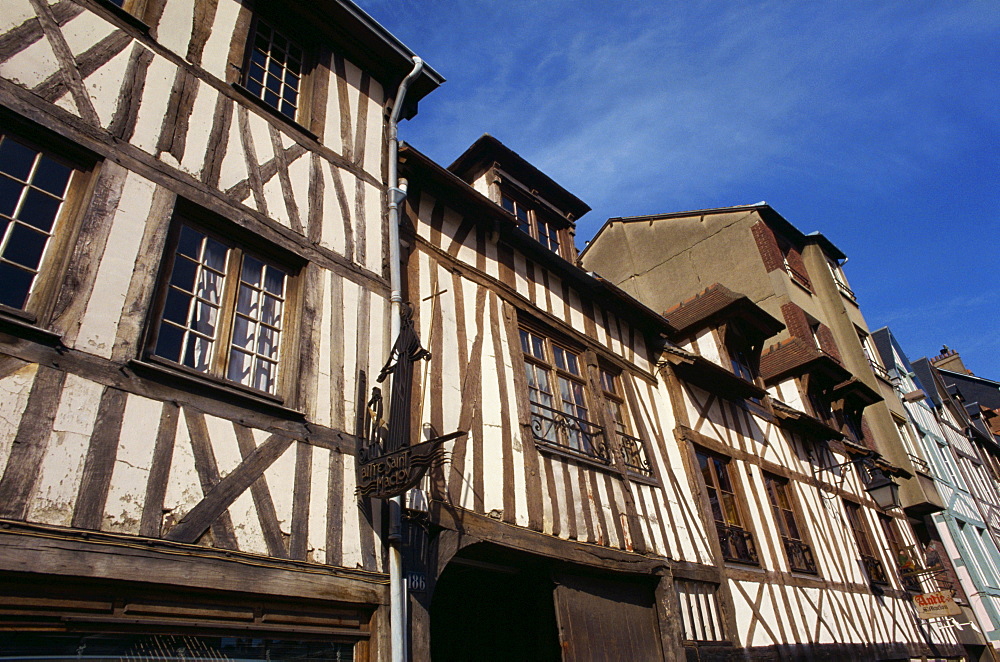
x: 397, y: 193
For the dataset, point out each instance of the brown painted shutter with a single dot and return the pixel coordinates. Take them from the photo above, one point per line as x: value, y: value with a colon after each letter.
x: 601, y: 619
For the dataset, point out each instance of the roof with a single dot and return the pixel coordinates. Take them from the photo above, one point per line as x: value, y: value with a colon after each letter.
x: 462, y: 197
x: 488, y: 150
x: 794, y: 356
x: 374, y: 49
x: 766, y: 211
x: 718, y: 301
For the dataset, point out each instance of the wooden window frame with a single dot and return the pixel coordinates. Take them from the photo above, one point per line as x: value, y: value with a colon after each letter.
x: 607, y: 447
x: 788, y: 520
x: 863, y: 538
x: 900, y: 558
x: 292, y: 31
x: 736, y: 540
x: 58, y: 248
x: 239, y: 246
x: 535, y: 218
x: 550, y: 427
x: 633, y: 450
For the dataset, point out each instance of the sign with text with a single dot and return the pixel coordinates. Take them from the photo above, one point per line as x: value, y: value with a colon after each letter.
x: 936, y: 605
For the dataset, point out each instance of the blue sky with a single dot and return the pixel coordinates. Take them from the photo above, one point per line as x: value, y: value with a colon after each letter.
x: 876, y: 123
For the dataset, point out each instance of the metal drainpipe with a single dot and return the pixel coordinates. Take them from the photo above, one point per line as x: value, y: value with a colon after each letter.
x: 397, y: 193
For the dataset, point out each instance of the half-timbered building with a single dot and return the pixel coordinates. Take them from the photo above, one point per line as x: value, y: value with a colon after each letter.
x: 193, y: 255
x: 628, y: 488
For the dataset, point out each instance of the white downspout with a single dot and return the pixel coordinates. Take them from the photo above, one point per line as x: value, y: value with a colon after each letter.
x: 397, y: 193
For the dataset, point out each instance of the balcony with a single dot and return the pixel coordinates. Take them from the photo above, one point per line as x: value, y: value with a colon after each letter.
x: 880, y: 371
x: 737, y: 544
x: 800, y: 556
x: 846, y: 291
x: 573, y: 435
x: 633, y: 452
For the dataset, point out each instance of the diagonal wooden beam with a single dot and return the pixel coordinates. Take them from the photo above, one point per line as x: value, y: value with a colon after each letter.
x: 67, y: 63
x: 218, y: 499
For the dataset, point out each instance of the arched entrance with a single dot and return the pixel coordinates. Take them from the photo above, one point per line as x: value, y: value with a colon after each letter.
x: 493, y: 604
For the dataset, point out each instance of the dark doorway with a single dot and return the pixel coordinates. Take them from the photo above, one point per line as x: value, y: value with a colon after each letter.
x: 493, y: 610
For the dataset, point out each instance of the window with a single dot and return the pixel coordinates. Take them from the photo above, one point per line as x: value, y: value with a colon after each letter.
x: 738, y: 346
x: 223, y: 310
x: 560, y: 414
x: 800, y: 557
x: 35, y: 190
x: 840, y: 280
x: 737, y: 543
x: 904, y: 557
x: 532, y: 222
x: 274, y: 68
x: 873, y: 566
x: 869, y: 349
x: 633, y: 450
x: 701, y: 619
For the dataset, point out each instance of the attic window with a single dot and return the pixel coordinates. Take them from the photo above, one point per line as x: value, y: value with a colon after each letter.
x: 532, y: 222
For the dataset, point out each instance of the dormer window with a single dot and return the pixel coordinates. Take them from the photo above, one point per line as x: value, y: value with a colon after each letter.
x: 532, y: 222
x: 519, y: 211
x: 739, y: 349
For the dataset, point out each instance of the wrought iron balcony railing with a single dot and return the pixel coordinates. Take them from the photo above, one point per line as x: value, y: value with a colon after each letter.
x: 800, y: 556
x: 875, y: 570
x: 634, y: 455
x: 570, y: 433
x: 737, y: 544
x: 879, y: 370
x: 846, y: 291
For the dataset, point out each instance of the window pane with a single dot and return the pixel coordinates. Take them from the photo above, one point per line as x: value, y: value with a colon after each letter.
x: 246, y: 302
x: 264, y: 375
x: 39, y: 209
x: 732, y: 513
x: 51, y: 176
x: 168, y: 344
x: 205, y: 319
x: 16, y: 159
x: 10, y: 194
x: 199, y: 353
x: 239, y: 367
x: 184, y: 274
x: 215, y: 254
x: 271, y: 314
x: 189, y: 242
x: 242, y: 332
x: 25, y: 246
x: 722, y: 470
x: 177, y: 307
x: 16, y: 284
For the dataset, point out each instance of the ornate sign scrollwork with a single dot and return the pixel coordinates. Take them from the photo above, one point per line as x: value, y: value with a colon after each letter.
x: 387, y: 464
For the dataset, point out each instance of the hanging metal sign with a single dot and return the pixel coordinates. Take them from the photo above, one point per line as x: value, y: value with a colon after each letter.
x: 387, y: 465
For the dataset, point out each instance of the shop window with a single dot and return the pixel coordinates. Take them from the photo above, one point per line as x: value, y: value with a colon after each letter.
x: 275, y: 70
x: 224, y: 309
x: 736, y: 541
x: 560, y: 412
x: 39, y: 195
x: 797, y: 550
x: 866, y: 547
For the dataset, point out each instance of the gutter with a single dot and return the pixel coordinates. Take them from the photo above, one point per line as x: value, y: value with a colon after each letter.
x: 397, y: 193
